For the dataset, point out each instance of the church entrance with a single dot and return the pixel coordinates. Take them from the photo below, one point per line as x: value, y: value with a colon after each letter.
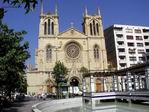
x: 74, y: 86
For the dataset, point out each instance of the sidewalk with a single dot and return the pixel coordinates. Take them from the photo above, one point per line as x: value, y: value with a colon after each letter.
x: 24, y: 106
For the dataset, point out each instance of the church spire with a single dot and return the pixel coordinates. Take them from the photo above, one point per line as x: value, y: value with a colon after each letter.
x: 98, y: 12
x: 41, y: 10
x: 56, y: 13
x: 86, y: 12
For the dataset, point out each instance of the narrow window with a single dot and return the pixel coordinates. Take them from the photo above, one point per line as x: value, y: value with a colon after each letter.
x: 48, y: 53
x: 45, y: 28
x: 91, y: 29
x: 97, y: 28
x: 52, y: 28
x: 49, y: 26
x: 96, y: 52
x: 94, y: 27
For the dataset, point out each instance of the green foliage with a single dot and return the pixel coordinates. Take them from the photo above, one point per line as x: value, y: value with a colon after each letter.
x: 84, y: 70
x: 13, y: 54
x: 59, y: 71
x: 28, y: 4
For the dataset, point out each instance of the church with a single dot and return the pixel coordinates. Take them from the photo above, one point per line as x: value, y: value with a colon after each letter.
x: 74, y: 48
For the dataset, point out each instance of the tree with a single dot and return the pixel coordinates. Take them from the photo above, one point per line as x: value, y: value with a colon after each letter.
x: 60, y: 72
x: 27, y: 4
x: 13, y: 54
x: 84, y: 70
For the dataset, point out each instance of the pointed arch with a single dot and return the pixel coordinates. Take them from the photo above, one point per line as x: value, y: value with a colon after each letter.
x: 49, y: 26
x: 91, y: 30
x: 45, y: 28
x: 48, y: 53
x: 52, y: 28
x: 96, y: 52
x: 94, y: 27
x: 97, y: 28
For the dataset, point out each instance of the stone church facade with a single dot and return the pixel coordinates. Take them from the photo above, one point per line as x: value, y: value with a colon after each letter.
x: 74, y: 48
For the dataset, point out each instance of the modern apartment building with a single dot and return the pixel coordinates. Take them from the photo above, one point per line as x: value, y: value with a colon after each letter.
x: 126, y: 45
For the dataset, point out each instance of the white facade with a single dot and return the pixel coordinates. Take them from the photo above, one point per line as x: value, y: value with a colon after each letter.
x: 127, y: 45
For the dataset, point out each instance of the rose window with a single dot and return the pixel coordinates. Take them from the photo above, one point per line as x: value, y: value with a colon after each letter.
x: 72, y: 50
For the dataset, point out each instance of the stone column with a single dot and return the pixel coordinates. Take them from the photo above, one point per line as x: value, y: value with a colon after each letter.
x: 122, y: 83
x: 84, y: 86
x: 115, y: 83
x: 92, y: 84
x: 104, y: 84
x: 136, y: 82
x: 129, y: 83
x: 147, y: 77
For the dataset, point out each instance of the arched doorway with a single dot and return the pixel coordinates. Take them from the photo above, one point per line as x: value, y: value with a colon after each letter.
x: 74, y: 86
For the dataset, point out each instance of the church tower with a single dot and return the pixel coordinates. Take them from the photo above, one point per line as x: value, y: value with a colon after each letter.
x: 48, y: 23
x: 93, y: 29
x: 92, y: 24
x: 48, y: 31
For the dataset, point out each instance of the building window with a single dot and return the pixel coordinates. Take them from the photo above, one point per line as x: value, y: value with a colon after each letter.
x: 94, y: 27
x: 146, y: 43
x: 145, y: 30
x: 123, y: 64
x: 120, y: 43
x: 96, y: 52
x: 48, y: 53
x: 121, y: 50
x: 141, y: 58
x: 147, y: 57
x: 132, y: 58
x: 132, y: 51
x: 118, y: 28
x: 91, y: 29
x: 139, y: 38
x: 128, y: 30
x: 130, y: 44
x: 129, y: 37
x: 147, y: 50
x: 52, y: 28
x: 122, y: 57
x: 137, y: 31
x: 45, y: 28
x: 97, y: 27
x: 49, y: 26
x: 146, y: 37
x: 141, y: 51
x: 139, y: 44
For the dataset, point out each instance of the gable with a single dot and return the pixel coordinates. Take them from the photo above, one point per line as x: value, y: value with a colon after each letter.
x: 72, y: 33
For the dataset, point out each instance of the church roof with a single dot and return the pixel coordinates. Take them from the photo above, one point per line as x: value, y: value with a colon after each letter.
x: 72, y: 32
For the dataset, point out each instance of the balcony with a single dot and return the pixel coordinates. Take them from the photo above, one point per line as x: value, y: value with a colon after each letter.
x: 120, y: 39
x: 121, y: 53
x: 121, y: 46
x: 146, y: 31
x: 122, y: 61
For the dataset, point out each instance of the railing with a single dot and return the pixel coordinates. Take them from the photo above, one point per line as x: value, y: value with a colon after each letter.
x: 133, y: 95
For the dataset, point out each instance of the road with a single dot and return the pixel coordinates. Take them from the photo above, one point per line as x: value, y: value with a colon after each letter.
x: 24, y: 106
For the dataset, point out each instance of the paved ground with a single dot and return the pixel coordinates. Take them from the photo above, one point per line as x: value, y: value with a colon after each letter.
x: 24, y: 106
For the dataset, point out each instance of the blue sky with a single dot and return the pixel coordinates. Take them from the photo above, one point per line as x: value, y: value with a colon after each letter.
x: 131, y: 12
